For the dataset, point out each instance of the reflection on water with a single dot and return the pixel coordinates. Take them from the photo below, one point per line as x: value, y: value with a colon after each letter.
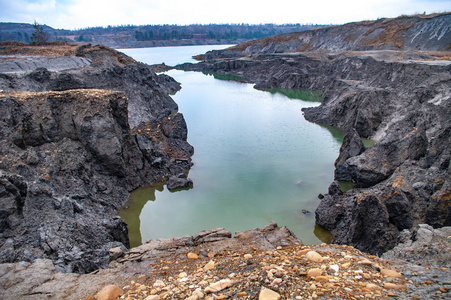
x: 323, y: 234
x: 226, y: 77
x: 132, y: 210
x: 304, y: 95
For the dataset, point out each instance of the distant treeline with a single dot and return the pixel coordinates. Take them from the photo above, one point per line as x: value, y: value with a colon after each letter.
x: 129, y: 35
x: 214, y: 31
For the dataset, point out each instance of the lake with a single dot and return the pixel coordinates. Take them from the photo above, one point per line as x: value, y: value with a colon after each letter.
x: 256, y: 160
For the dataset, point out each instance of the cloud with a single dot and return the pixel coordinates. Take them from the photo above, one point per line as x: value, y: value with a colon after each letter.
x: 71, y: 14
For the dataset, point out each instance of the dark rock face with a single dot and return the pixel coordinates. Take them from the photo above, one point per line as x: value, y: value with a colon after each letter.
x: 404, y: 179
x: 352, y: 146
x: 69, y: 158
x: 68, y: 162
x: 179, y: 183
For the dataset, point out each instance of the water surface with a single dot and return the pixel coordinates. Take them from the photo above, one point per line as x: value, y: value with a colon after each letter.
x: 256, y: 160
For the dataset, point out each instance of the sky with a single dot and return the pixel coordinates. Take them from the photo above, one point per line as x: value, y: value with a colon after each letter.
x: 77, y: 14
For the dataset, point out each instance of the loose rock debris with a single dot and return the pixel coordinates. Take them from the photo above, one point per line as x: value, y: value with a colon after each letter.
x: 292, y: 272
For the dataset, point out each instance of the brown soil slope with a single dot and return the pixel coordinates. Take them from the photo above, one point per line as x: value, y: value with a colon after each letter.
x: 419, y: 32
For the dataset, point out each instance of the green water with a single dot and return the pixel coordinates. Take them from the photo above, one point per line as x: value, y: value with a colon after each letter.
x: 256, y: 160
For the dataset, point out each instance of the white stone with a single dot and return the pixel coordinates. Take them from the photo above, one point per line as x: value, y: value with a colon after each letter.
x: 159, y: 283
x: 267, y: 294
x: 334, y: 268
x: 219, y: 286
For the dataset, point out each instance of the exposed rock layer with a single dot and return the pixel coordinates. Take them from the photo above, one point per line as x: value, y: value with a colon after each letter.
x: 68, y: 157
x: 420, y: 32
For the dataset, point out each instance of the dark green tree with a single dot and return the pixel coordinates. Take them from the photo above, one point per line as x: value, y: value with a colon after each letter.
x: 39, y: 37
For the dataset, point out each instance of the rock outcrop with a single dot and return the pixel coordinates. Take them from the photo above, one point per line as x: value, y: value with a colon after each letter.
x: 33, y: 280
x: 74, y: 143
x: 263, y: 261
x: 420, y: 32
x: 403, y: 104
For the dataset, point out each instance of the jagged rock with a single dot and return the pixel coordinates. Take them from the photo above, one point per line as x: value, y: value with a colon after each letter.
x: 335, y: 189
x: 116, y: 252
x: 179, y: 183
x: 69, y: 137
x: 352, y: 146
x: 423, y: 243
x: 341, y: 172
x: 212, y: 235
x: 69, y: 158
x: 379, y: 162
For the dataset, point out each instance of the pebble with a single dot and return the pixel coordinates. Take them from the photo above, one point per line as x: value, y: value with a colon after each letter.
x: 287, y: 274
x: 314, y: 256
x: 219, y: 286
x: 209, y: 266
x: 109, y: 292
x: 159, y: 283
x: 267, y: 294
x: 392, y: 286
x: 192, y: 256
x: 152, y: 297
x: 303, y: 252
x: 346, y: 265
x: 365, y: 262
x: 334, y: 268
x: 391, y: 273
x: 322, y: 278
x: 372, y: 286
x: 314, y: 272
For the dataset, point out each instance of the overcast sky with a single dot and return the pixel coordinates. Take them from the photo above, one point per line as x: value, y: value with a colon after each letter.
x: 71, y: 14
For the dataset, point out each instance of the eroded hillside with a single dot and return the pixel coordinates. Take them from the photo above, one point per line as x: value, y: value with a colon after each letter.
x: 420, y: 32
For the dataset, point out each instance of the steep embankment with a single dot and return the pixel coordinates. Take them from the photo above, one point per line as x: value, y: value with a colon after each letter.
x: 421, y: 32
x: 68, y: 156
x: 400, y: 99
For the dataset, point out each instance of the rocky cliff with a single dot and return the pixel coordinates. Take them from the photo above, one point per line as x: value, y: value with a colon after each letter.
x: 399, y: 99
x: 420, y: 32
x: 74, y: 142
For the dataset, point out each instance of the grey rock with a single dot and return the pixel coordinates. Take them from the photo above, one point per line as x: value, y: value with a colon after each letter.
x: 352, y: 146
x: 341, y: 172
x: 212, y: 235
x: 79, y: 158
x: 116, y: 252
x: 335, y: 189
x: 179, y: 183
x: 418, y: 185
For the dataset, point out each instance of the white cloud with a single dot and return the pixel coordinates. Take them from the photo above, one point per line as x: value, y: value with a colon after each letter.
x: 83, y: 13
